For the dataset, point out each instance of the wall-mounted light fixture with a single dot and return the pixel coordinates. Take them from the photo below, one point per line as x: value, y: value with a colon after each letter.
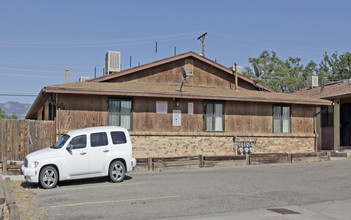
x: 176, y: 101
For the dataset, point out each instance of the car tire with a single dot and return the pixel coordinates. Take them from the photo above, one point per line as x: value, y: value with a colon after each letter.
x: 48, y: 177
x: 117, y: 171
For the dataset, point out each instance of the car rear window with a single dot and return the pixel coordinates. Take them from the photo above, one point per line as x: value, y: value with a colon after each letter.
x: 118, y: 137
x: 98, y: 139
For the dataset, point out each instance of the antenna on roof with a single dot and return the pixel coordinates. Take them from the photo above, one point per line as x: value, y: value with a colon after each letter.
x: 202, y: 39
x: 156, y: 52
x: 184, y: 76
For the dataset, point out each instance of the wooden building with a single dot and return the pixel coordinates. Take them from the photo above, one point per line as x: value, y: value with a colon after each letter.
x: 334, y: 121
x: 201, y: 119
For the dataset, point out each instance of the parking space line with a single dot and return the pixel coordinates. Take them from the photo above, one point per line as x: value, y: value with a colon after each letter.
x: 99, y: 186
x: 65, y: 188
x: 115, y: 201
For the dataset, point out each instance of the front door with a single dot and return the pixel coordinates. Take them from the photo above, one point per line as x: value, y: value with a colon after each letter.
x: 345, y: 124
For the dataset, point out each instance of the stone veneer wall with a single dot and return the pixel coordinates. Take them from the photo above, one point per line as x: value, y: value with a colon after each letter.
x: 214, y: 144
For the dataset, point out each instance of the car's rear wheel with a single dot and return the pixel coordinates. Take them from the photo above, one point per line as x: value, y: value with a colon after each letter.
x: 117, y: 171
x: 48, y: 177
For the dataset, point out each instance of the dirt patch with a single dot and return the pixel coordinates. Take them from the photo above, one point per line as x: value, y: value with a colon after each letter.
x: 25, y: 201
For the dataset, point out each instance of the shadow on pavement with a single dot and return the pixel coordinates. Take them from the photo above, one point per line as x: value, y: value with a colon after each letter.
x: 75, y: 182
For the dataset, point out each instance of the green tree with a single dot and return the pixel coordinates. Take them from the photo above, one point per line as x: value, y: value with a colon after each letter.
x: 335, y: 67
x: 4, y: 116
x: 283, y: 76
x: 13, y: 116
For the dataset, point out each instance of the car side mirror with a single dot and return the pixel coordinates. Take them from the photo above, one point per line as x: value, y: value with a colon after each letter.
x: 69, y: 147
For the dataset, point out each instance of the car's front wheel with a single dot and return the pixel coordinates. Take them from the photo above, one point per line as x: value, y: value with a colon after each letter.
x: 117, y: 171
x: 48, y: 177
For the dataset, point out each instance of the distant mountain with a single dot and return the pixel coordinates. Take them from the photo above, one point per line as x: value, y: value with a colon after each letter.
x: 15, y: 107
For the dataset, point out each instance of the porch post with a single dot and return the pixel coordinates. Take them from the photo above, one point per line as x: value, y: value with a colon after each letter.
x: 336, y: 124
x: 319, y: 129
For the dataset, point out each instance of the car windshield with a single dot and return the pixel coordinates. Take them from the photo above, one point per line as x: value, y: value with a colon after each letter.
x: 61, y: 142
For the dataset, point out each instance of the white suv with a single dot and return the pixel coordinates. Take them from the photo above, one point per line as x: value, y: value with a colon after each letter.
x: 83, y: 153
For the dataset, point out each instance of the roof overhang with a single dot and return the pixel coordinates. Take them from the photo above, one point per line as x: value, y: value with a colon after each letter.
x: 38, y: 102
x: 318, y: 102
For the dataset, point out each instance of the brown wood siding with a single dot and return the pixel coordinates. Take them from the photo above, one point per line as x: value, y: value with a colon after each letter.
x: 83, y: 102
x: 167, y: 73
x: 145, y: 117
x: 248, y: 117
x: 81, y: 111
x: 239, y: 117
x: 328, y: 138
x: 171, y: 73
x: 207, y: 75
x: 302, y: 119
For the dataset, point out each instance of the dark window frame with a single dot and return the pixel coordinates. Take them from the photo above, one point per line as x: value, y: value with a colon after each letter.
x: 212, y: 115
x: 120, y: 113
x: 43, y: 113
x: 281, y: 131
x: 52, y: 112
x: 327, y: 116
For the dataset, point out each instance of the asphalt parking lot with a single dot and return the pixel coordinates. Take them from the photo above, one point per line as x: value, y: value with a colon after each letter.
x: 198, y: 192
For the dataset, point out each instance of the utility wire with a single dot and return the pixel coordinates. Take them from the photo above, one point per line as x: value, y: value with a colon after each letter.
x: 94, y: 43
x: 18, y: 93
x: 43, y: 71
x: 30, y: 75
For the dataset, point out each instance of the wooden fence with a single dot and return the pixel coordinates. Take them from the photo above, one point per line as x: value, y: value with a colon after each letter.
x: 211, y: 161
x: 21, y: 137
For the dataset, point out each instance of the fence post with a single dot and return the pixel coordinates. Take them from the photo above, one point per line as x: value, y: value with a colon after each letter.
x: 247, y: 159
x: 289, y: 158
x: 149, y: 164
x: 4, y: 165
x: 201, y: 161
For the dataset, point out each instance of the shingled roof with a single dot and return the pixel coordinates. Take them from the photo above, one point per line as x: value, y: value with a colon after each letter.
x: 190, y: 92
x: 331, y: 90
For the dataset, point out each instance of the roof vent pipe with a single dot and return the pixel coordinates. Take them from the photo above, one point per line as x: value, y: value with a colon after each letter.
x: 67, y: 75
x: 236, y: 76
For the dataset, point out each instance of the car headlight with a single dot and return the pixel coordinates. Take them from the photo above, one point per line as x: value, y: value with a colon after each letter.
x: 34, y: 164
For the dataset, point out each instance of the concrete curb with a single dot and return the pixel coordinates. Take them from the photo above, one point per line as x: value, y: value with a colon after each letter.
x: 9, y: 199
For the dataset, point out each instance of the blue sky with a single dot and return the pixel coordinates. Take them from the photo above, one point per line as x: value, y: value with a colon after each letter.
x: 39, y: 39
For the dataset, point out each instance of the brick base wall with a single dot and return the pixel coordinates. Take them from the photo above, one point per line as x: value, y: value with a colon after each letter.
x: 163, y: 145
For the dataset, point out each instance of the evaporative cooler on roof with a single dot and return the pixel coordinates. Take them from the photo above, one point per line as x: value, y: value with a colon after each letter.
x: 113, y: 62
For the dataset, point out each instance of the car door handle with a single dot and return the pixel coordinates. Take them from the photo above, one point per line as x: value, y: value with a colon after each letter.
x: 83, y: 153
x: 105, y: 151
